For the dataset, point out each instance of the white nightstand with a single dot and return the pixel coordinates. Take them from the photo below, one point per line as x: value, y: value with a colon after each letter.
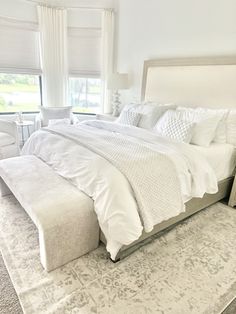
x: 105, y: 116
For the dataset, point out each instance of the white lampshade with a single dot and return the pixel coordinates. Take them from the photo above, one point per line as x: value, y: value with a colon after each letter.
x: 118, y: 81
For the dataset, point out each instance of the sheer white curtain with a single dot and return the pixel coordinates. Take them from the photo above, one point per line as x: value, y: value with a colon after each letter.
x: 108, y: 18
x: 53, y: 48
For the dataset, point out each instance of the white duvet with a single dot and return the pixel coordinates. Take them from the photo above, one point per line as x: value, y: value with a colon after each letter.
x: 114, y: 198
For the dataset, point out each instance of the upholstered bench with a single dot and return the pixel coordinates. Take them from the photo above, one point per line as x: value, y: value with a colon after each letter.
x: 64, y: 216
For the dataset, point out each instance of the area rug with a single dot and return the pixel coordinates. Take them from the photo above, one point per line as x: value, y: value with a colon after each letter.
x: 190, y: 269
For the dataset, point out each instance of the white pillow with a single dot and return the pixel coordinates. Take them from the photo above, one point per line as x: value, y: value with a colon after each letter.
x: 51, y: 113
x: 231, y: 127
x: 58, y: 122
x: 205, y: 125
x: 222, y: 114
x: 129, y: 118
x: 150, y: 112
x: 171, y: 126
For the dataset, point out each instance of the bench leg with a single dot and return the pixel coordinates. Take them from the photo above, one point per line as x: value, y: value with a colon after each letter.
x: 63, y: 243
x: 4, y: 189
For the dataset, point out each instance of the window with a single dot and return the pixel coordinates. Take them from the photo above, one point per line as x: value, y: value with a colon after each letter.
x: 19, y: 92
x: 84, y: 58
x: 85, y: 94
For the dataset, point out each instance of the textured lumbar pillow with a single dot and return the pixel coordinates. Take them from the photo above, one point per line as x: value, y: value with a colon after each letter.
x: 129, y: 117
x: 173, y: 127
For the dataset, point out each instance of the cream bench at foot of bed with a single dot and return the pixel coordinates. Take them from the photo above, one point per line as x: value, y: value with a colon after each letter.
x: 64, y: 216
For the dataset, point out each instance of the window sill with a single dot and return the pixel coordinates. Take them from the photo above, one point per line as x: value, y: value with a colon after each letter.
x: 84, y: 113
x: 13, y: 113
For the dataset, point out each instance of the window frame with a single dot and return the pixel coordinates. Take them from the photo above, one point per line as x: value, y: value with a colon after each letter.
x: 40, y: 92
x: 85, y: 76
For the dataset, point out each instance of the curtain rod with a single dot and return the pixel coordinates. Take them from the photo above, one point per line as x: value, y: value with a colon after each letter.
x: 71, y: 7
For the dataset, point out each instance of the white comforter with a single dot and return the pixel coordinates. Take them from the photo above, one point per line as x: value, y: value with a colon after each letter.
x: 115, y: 198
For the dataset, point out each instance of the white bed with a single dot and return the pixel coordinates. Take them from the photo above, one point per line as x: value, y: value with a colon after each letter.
x: 92, y: 157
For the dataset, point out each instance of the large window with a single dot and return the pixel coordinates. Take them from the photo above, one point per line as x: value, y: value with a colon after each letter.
x: 19, y: 92
x: 85, y: 94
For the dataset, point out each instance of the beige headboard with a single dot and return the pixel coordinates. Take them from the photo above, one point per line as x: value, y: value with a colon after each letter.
x: 208, y: 82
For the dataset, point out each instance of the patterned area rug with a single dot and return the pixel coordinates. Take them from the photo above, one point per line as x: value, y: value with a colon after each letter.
x: 190, y: 269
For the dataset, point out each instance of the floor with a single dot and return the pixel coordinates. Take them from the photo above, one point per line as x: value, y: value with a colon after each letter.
x: 9, y: 303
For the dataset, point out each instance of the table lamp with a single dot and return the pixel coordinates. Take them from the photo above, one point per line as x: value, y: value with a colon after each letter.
x: 116, y: 82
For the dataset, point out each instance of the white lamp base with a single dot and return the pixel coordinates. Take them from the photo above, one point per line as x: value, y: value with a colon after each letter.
x: 116, y: 104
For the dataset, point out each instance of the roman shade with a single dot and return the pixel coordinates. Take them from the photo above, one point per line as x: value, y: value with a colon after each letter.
x: 19, y: 51
x: 84, y: 52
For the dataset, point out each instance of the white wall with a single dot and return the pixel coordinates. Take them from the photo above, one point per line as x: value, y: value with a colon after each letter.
x: 168, y: 28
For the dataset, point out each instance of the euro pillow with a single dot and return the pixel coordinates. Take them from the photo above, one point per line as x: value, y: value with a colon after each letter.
x: 129, y: 118
x: 171, y: 126
x: 222, y: 114
x: 205, y: 125
x: 148, y: 120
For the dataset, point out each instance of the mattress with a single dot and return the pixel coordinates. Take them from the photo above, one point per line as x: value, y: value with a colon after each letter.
x: 222, y: 158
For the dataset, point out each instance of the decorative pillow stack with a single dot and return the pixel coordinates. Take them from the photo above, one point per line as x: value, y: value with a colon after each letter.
x: 199, y: 126
x: 206, y: 125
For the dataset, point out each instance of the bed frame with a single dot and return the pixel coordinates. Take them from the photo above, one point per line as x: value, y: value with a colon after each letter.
x: 192, y: 207
x: 203, y: 82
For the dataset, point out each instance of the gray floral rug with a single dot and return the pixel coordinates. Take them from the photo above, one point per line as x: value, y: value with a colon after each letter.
x: 190, y: 269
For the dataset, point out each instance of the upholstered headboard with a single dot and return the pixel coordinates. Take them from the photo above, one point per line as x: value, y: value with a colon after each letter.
x: 205, y: 82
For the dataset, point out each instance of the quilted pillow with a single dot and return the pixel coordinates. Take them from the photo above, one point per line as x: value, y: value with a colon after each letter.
x: 175, y: 128
x: 129, y: 118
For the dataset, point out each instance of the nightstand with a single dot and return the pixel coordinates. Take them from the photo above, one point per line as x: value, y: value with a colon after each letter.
x: 22, y: 125
x: 232, y: 198
x: 105, y: 117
